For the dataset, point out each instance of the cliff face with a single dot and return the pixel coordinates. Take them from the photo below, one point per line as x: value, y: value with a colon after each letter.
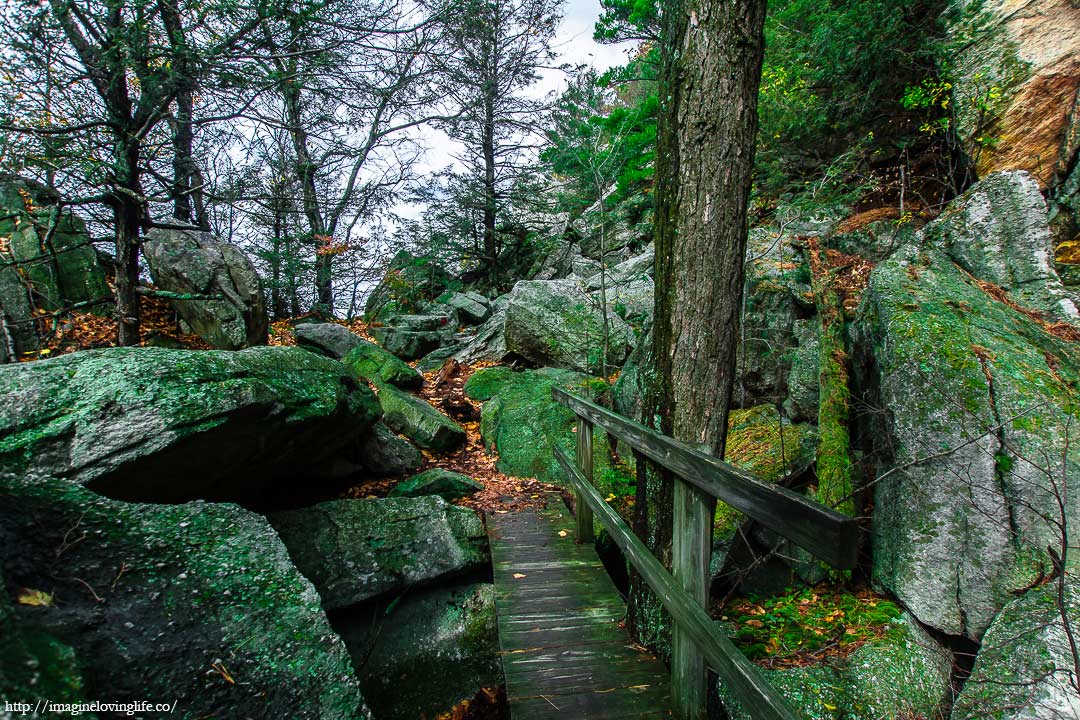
x: 1017, y: 72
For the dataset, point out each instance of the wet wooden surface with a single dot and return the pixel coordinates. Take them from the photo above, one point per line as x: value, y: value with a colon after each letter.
x: 563, y: 651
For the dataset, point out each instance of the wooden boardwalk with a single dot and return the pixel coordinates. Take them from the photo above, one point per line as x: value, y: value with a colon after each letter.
x: 563, y: 652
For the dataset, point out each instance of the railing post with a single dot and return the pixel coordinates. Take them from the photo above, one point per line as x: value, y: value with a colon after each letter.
x: 691, y: 549
x: 584, y: 463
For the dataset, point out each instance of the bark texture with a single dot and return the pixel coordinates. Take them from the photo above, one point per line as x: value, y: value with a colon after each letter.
x: 711, y: 68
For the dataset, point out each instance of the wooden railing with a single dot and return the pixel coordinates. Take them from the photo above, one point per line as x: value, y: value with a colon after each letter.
x: 700, y: 480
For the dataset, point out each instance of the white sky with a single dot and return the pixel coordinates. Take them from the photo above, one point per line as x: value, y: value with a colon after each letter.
x: 574, y: 45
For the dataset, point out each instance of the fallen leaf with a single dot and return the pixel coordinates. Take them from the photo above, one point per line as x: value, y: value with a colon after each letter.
x: 518, y: 576
x: 38, y: 598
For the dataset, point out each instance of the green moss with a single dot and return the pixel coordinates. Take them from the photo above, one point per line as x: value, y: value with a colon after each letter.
x: 761, y: 442
x: 522, y: 423
x: 806, y: 620
x: 370, y: 362
x: 184, y: 572
x: 834, y: 468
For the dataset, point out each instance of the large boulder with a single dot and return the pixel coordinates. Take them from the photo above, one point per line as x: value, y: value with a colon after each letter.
x: 51, y: 246
x: 556, y: 262
x: 172, y: 425
x: 902, y: 674
x: 1016, y: 72
x: 776, y: 288
x: 803, y: 381
x: 473, y: 309
x: 371, y: 362
x: 427, y: 653
x: 330, y: 339
x: 489, y: 342
x: 414, y: 336
x: 1026, y: 668
x: 229, y: 310
x: 46, y: 261
x: 556, y: 323
x: 975, y: 463
x: 355, y: 550
x: 520, y: 420
x: 419, y: 421
x: 196, y: 603
x: 408, y: 284
x: 384, y: 452
x: 639, y: 267
x: 998, y: 232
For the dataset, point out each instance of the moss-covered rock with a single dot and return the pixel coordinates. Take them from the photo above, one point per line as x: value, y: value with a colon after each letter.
x: 902, y: 674
x: 409, y: 283
x: 419, y: 421
x: 197, y: 603
x: 776, y: 285
x: 354, y: 550
x: 173, y: 425
x: 35, y: 664
x: 471, y: 308
x: 1026, y: 667
x: 232, y: 312
x: 556, y: 323
x: 521, y: 421
x: 383, y: 452
x: 427, y: 652
x: 410, y: 344
x: 981, y: 401
x: 999, y: 232
x: 51, y: 245
x: 371, y: 362
x: 437, y: 481
x: 771, y: 447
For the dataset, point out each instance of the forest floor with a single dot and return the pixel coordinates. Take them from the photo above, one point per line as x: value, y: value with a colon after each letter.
x: 443, y: 389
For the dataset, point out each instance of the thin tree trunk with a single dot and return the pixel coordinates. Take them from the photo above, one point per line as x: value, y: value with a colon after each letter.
x: 491, y: 251
x: 305, y: 175
x: 126, y: 217
x: 183, y: 139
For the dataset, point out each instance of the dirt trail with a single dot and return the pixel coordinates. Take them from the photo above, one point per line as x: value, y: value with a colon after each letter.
x: 443, y: 389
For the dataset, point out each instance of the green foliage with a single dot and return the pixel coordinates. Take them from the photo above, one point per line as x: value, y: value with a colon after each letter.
x: 623, y: 20
x: 808, y: 620
x: 602, y: 132
x: 832, y: 67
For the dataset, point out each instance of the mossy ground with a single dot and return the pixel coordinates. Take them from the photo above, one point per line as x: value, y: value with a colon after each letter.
x: 807, y: 625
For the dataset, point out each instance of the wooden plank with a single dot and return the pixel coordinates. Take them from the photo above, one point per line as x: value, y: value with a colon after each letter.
x: 760, y: 699
x: 585, y: 464
x: 821, y: 530
x: 691, y: 551
x: 559, y: 626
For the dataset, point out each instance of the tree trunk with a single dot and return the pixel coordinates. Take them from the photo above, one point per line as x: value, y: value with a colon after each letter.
x: 183, y: 139
x: 277, y: 300
x: 711, y: 68
x: 491, y: 251
x: 305, y: 175
x: 129, y: 212
x: 126, y: 216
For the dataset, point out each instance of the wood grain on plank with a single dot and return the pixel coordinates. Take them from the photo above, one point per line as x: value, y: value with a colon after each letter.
x: 564, y: 652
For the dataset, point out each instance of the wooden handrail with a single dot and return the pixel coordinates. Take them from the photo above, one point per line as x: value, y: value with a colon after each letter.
x: 758, y: 697
x: 821, y: 530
